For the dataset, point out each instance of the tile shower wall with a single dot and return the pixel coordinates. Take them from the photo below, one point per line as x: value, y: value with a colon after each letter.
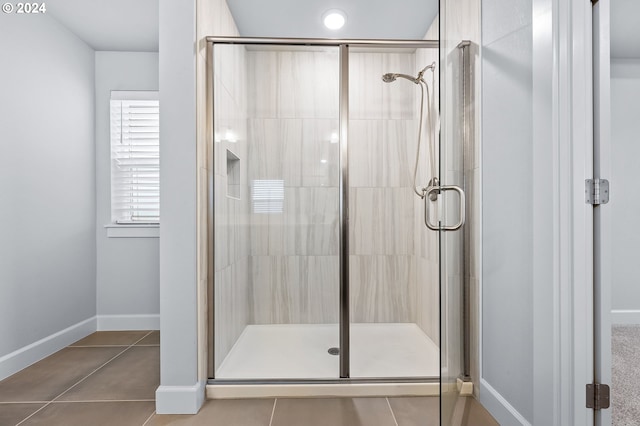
x: 426, y: 241
x: 230, y: 276
x: 231, y: 198
x: 293, y: 240
x: 382, y: 143
x: 294, y: 247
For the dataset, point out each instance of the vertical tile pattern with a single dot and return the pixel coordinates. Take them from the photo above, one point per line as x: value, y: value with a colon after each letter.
x: 426, y: 241
x: 294, y: 247
x: 393, y: 269
x: 231, y: 235
x: 365, y: 85
x: 294, y: 289
x: 382, y: 288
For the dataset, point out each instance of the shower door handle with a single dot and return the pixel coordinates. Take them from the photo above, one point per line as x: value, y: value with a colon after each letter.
x: 441, y: 189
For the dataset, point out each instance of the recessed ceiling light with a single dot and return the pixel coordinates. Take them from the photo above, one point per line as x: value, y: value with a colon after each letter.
x: 334, y: 19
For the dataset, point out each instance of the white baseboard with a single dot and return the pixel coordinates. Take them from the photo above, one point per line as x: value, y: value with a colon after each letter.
x: 625, y: 316
x: 180, y: 399
x: 27, y: 355
x: 128, y: 322
x: 499, y: 407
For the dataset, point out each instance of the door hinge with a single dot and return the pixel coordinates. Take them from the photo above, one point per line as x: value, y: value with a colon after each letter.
x: 596, y: 191
x: 597, y: 396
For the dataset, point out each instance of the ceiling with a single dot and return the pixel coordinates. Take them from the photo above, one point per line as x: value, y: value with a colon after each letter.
x: 132, y: 25
x: 625, y: 29
x: 117, y: 25
x: 384, y: 19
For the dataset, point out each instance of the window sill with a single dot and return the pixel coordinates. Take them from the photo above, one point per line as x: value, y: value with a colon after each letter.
x: 133, y: 231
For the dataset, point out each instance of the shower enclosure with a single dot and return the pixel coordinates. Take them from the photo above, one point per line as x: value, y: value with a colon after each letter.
x: 325, y: 266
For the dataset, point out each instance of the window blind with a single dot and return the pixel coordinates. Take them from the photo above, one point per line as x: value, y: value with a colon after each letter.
x: 267, y: 196
x: 135, y: 160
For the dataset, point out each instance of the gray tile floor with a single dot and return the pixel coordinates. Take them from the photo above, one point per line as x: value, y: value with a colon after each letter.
x: 110, y: 378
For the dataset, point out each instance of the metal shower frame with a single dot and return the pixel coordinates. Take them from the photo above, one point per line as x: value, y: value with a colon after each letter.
x: 344, y: 45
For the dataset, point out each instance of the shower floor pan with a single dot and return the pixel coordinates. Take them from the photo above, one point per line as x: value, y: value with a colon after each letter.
x: 301, y: 351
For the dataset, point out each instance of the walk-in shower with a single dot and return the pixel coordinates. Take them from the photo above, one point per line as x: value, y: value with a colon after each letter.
x: 322, y: 268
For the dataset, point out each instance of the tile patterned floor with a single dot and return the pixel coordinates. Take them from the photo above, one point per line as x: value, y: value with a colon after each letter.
x: 107, y: 378
x: 110, y: 378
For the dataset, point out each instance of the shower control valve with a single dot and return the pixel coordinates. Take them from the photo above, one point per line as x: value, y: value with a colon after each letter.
x: 433, y: 193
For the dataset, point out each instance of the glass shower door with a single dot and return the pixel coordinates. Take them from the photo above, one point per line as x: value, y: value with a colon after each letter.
x: 276, y: 203
x: 457, y: 169
x: 393, y: 261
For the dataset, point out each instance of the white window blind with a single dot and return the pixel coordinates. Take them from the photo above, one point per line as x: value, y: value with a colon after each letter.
x: 267, y: 196
x: 135, y: 157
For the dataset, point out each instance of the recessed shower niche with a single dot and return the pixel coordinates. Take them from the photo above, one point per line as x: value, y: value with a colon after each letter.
x: 233, y: 175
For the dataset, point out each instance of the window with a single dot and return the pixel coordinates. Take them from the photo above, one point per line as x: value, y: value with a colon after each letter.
x: 135, y: 157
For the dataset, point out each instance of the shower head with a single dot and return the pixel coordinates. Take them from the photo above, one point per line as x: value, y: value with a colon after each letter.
x: 391, y: 77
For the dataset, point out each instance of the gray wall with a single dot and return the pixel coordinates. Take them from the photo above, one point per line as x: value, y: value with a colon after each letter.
x: 178, y: 288
x: 47, y: 180
x: 624, y: 205
x: 507, y: 186
x: 127, y: 268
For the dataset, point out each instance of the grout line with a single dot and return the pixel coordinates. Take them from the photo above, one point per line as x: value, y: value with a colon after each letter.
x: 33, y: 414
x: 77, y: 383
x: 150, y: 417
x: 99, y: 346
x: 102, y: 401
x: 392, y: 413
x: 105, y: 346
x: 142, y: 338
x: 73, y: 345
x: 23, y: 402
x: 273, y: 411
x: 83, y: 379
x: 90, y: 374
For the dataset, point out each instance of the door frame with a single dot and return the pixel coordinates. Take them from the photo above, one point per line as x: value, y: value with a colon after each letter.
x: 563, y: 290
x: 602, y: 230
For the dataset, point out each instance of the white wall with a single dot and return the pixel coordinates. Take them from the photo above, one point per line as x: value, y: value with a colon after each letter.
x: 128, y: 288
x: 507, y: 226
x: 537, y: 298
x: 180, y: 390
x: 47, y: 181
x: 624, y: 204
x: 183, y: 177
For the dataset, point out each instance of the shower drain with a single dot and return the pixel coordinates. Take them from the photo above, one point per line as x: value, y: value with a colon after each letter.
x: 334, y: 351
